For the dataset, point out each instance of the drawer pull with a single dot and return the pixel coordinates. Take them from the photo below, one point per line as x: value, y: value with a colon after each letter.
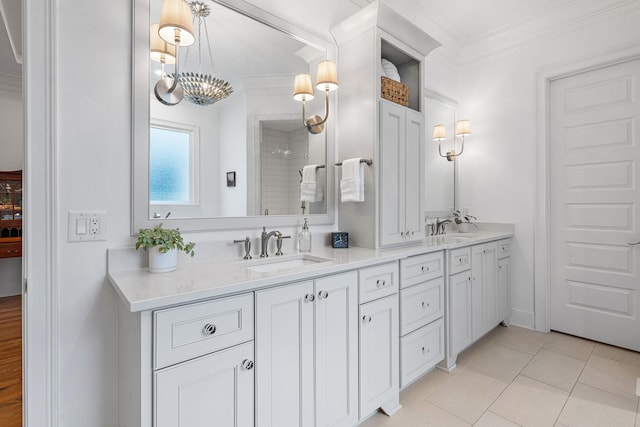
x: 366, y: 319
x: 247, y: 364
x: 425, y: 350
x: 323, y: 294
x: 425, y: 305
x: 209, y: 329
x: 425, y: 269
x: 309, y: 297
x: 380, y: 283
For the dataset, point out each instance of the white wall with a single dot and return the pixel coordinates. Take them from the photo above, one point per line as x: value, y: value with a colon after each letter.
x: 11, y: 158
x: 497, y: 175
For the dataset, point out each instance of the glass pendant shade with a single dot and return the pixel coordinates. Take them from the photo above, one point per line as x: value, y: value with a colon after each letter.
x: 327, y: 78
x: 161, y: 51
x: 439, y: 133
x: 302, y: 88
x: 176, y: 23
x: 463, y: 128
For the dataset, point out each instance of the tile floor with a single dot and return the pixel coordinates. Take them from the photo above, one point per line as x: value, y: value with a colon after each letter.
x: 517, y: 377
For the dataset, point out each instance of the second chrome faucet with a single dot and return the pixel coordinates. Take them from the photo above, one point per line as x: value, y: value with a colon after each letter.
x: 264, y: 241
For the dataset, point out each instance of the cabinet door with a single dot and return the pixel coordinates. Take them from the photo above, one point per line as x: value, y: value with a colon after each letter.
x: 337, y: 350
x: 392, y: 188
x: 478, y: 292
x: 216, y: 386
x: 379, y: 345
x: 503, y: 289
x: 460, y: 314
x: 490, y: 279
x: 414, y: 177
x: 284, y: 356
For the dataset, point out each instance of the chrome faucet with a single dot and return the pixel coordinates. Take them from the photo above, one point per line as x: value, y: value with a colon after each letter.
x: 440, y: 226
x: 265, y: 240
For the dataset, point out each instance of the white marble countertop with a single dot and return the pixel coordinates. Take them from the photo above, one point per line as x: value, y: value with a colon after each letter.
x: 202, y: 279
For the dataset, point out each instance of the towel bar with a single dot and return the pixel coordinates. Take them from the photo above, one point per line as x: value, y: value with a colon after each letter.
x: 369, y: 162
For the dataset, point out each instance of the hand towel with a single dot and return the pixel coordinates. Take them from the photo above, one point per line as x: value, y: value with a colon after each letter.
x: 310, y: 189
x: 352, y: 182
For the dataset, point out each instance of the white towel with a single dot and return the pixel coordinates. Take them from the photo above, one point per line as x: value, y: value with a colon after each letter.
x: 310, y: 189
x: 352, y: 182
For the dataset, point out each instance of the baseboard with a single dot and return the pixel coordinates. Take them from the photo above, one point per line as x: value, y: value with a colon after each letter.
x: 522, y: 318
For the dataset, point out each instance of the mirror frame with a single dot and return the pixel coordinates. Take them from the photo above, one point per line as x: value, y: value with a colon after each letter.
x: 140, y: 210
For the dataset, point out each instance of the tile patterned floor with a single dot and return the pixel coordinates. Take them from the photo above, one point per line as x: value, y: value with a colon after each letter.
x: 516, y: 377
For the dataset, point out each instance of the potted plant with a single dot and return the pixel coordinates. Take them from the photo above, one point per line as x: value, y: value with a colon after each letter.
x: 163, y: 245
x: 463, y: 220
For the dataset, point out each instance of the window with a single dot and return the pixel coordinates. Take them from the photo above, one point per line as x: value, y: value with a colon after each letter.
x: 172, y: 154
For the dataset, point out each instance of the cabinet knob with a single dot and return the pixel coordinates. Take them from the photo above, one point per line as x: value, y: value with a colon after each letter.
x: 309, y: 297
x: 209, y: 329
x: 247, y: 364
x: 366, y: 319
x: 402, y: 234
x: 424, y: 269
x: 380, y: 283
x: 425, y: 305
x: 323, y: 294
x: 425, y: 350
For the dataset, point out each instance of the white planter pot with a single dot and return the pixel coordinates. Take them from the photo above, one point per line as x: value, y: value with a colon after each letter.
x: 162, y: 262
x: 463, y: 227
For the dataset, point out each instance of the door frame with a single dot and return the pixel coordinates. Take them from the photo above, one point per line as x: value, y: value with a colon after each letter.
x: 40, y: 360
x: 542, y: 233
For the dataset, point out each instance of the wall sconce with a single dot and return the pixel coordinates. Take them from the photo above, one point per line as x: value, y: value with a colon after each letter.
x: 463, y: 129
x: 175, y: 28
x: 327, y: 80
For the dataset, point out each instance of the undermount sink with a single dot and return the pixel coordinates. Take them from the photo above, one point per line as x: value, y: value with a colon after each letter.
x: 283, y: 263
x: 448, y: 239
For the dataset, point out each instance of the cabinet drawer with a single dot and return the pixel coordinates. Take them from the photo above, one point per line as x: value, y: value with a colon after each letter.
x: 420, y: 351
x: 418, y: 269
x: 421, y: 304
x: 377, y: 282
x: 459, y: 260
x: 10, y: 250
x: 503, y: 248
x: 186, y: 332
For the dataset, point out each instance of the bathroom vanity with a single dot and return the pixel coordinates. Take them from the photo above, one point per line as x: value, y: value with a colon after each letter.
x: 320, y: 339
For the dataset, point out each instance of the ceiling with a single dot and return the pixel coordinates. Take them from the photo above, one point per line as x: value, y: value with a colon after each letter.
x: 458, y: 23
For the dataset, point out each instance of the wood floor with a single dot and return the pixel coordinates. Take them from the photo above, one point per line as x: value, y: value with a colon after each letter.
x: 11, y: 361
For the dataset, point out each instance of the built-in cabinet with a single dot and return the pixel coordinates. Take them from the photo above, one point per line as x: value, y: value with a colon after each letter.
x: 421, y: 315
x: 11, y: 214
x: 477, y: 294
x: 378, y: 348
x: 306, y: 353
x: 401, y: 180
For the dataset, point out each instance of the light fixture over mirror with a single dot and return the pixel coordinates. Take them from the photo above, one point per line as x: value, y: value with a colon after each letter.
x: 176, y: 28
x: 326, y: 80
x: 463, y: 128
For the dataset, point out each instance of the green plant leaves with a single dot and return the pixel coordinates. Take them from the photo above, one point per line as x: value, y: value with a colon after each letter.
x: 165, y: 239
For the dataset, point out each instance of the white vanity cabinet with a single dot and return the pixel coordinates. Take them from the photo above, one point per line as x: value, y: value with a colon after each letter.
x: 477, y: 294
x: 421, y: 315
x: 401, y: 177
x: 307, y: 354
x: 379, y: 343
x: 203, y: 359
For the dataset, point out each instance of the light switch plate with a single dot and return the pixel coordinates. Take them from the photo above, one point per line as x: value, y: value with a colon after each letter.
x: 87, y: 226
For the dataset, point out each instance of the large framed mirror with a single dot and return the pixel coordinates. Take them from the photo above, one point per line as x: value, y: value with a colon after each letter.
x: 440, y: 174
x: 236, y: 163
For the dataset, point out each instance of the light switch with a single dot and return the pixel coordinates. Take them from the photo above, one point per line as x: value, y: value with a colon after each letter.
x: 87, y: 226
x: 81, y: 226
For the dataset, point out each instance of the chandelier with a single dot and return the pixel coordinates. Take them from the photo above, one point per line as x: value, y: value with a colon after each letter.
x: 200, y: 88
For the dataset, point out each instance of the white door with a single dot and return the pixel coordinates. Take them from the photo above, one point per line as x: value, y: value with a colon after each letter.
x: 284, y: 356
x: 595, y: 195
x: 460, y: 314
x: 337, y: 350
x: 216, y: 386
x: 414, y: 176
x: 392, y: 189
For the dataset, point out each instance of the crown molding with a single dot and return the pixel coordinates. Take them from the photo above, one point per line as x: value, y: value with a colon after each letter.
x: 557, y: 21
x: 10, y: 82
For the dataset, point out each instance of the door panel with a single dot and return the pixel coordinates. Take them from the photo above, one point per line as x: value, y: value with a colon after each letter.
x: 392, y: 135
x: 594, y: 195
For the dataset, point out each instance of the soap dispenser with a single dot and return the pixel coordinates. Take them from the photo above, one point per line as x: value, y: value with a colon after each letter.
x: 304, y: 239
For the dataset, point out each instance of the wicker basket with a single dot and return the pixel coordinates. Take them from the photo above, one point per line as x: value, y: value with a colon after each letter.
x: 395, y: 91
